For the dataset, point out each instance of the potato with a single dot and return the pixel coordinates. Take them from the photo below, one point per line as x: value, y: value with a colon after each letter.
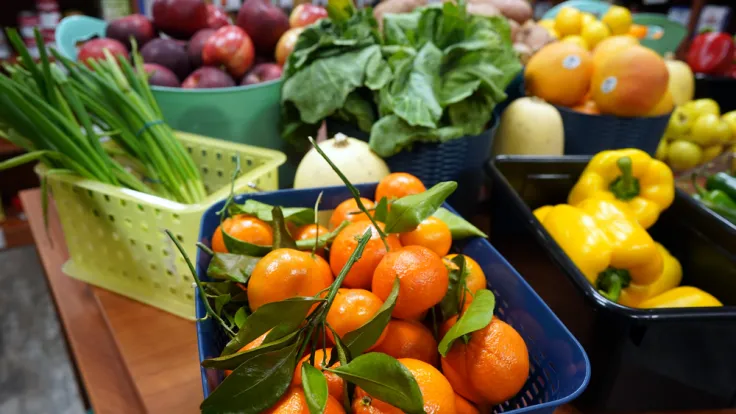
x: 515, y: 28
x: 537, y: 37
x: 484, y: 9
x: 524, y: 51
x: 518, y: 10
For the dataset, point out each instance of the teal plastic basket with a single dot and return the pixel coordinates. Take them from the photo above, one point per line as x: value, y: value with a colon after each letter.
x: 244, y: 114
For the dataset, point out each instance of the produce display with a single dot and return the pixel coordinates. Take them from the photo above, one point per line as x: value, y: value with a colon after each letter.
x: 603, y: 229
x: 60, y: 117
x: 202, y: 48
x: 584, y: 29
x: 409, y: 83
x: 370, y: 314
x: 696, y: 134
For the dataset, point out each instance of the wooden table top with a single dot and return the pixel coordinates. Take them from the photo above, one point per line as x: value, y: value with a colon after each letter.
x: 132, y: 358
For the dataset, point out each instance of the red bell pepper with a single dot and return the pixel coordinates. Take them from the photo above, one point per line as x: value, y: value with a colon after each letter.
x: 711, y: 53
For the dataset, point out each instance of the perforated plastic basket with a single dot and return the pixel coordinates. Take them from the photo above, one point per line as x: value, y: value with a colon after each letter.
x: 559, y: 369
x: 115, y: 236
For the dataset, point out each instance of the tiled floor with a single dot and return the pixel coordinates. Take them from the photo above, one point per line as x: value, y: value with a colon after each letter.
x: 36, y: 376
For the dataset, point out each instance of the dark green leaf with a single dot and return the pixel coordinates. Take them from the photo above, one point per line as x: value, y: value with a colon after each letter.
x: 240, y: 317
x: 476, y: 317
x: 381, y: 211
x: 359, y: 340
x: 233, y: 361
x: 383, y: 377
x: 235, y: 267
x: 473, y: 113
x: 357, y: 111
x: 391, y: 135
x: 290, y: 312
x: 220, y: 302
x: 236, y: 246
x: 315, y: 389
x: 281, y: 237
x: 263, y: 211
x: 459, y: 227
x: 342, y: 355
x: 450, y: 304
x: 407, y: 212
x: 255, y: 385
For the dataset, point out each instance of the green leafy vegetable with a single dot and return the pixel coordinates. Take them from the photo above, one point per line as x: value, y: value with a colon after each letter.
x: 476, y: 317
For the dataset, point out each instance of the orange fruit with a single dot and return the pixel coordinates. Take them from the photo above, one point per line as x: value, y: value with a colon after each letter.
x: 491, y: 368
x: 334, y: 383
x: 285, y: 273
x: 588, y: 107
x: 245, y: 228
x: 351, y: 309
x: 436, y: 391
x: 310, y: 231
x: 475, y: 280
x: 638, y: 31
x: 464, y: 406
x: 423, y: 280
x: 409, y: 339
x: 559, y: 63
x: 345, y: 209
x: 397, y: 185
x: 630, y: 82
x: 610, y: 46
x: 431, y: 233
x: 294, y: 402
x: 664, y: 106
x: 361, y: 274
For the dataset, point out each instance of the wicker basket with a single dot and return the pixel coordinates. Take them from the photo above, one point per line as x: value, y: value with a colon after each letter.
x: 115, y: 236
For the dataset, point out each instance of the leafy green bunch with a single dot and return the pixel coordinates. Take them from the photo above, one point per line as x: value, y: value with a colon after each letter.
x: 432, y: 75
x: 296, y: 326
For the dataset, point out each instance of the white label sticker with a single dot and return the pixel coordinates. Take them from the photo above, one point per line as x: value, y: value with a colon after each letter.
x: 609, y: 84
x: 571, y: 62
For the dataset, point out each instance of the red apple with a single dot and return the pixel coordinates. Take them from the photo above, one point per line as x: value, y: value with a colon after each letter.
x: 262, y: 72
x: 208, y: 77
x: 169, y: 54
x: 286, y: 44
x: 135, y: 25
x: 160, y: 76
x: 179, y: 18
x: 231, y: 47
x: 306, y: 14
x: 195, y: 46
x: 216, y: 17
x: 264, y: 22
x: 94, y: 48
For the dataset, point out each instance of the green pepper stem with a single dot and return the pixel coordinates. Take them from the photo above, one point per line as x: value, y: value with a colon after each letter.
x: 698, y: 188
x: 625, y: 186
x: 611, y: 281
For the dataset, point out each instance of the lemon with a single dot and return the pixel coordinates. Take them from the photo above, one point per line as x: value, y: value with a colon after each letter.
x: 568, y: 21
x: 662, y: 148
x: 594, y: 32
x: 578, y: 40
x: 548, y: 24
x: 618, y: 19
x: 709, y: 153
x: 683, y: 155
x: 588, y: 18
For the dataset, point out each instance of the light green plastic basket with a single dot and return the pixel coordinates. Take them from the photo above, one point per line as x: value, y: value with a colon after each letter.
x: 116, y: 236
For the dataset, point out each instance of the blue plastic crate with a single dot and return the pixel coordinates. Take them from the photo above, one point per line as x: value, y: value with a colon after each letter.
x: 559, y: 369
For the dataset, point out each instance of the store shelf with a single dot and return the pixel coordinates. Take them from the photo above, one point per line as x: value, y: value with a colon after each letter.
x: 14, y: 230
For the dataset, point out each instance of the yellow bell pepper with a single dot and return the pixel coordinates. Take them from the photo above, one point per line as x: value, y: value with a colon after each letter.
x: 681, y: 297
x: 670, y: 278
x: 645, y: 184
x: 606, y: 243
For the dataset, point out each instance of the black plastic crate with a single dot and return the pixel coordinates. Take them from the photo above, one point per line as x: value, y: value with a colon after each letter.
x: 661, y: 359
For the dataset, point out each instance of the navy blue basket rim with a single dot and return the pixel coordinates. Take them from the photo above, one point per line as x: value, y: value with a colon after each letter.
x: 608, y: 117
x: 663, y: 315
x: 199, y: 307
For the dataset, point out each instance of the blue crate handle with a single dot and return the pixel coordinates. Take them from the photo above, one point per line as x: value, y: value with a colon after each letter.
x: 559, y: 367
x: 74, y: 29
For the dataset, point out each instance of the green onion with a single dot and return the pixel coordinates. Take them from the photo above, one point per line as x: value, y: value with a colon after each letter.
x: 59, y: 111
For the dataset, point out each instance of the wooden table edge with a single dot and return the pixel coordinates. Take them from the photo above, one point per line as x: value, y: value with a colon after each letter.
x: 106, y: 379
